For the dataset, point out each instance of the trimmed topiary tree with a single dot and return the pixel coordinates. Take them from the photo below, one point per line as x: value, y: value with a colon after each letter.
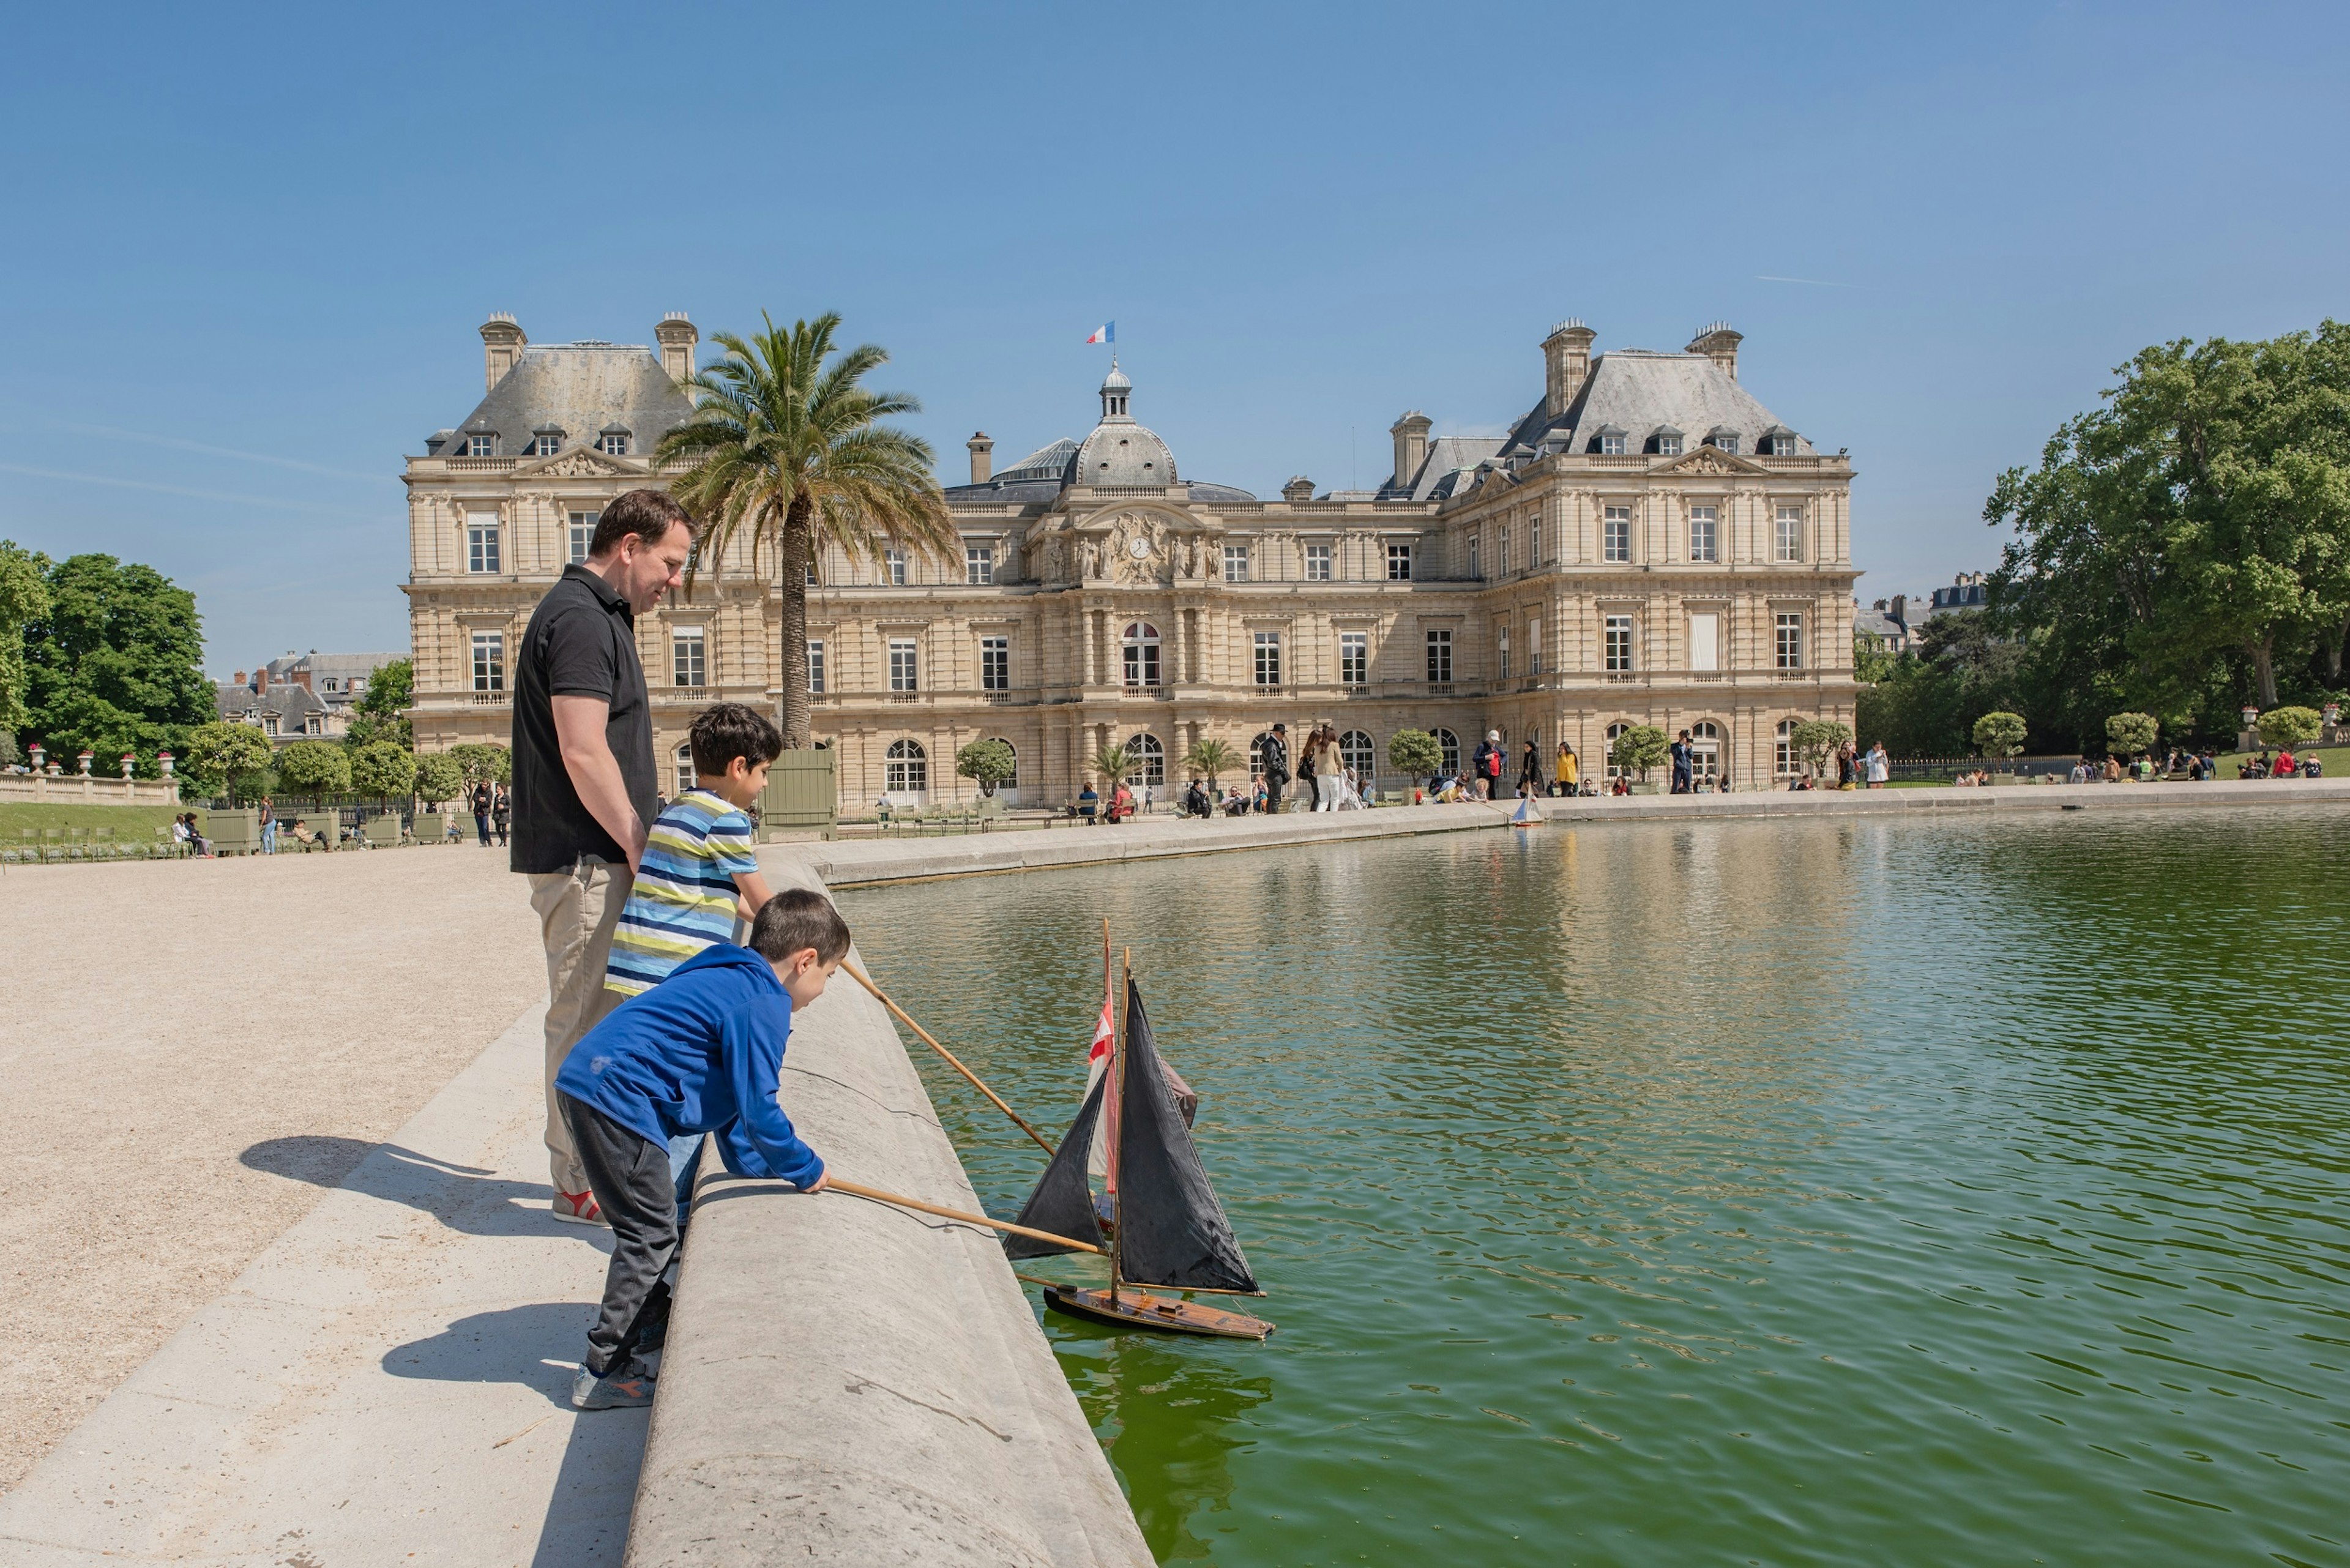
x: 439, y: 778
x: 384, y: 769
x: 2000, y: 734
x: 314, y: 767
x: 2290, y: 726
x: 1639, y: 749
x: 989, y: 762
x: 2132, y: 735
x: 1818, y: 740
x: 1415, y: 753
x: 220, y: 753
x: 484, y: 763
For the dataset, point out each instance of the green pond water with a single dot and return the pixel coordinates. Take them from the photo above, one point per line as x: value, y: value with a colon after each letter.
x: 1818, y: 1193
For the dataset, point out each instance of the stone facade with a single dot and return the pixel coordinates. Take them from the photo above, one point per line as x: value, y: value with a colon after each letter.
x: 1648, y: 546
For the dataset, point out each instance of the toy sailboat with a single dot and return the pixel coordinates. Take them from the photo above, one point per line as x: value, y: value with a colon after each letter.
x: 1165, y: 1225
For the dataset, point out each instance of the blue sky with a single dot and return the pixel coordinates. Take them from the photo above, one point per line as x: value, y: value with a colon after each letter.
x: 249, y: 249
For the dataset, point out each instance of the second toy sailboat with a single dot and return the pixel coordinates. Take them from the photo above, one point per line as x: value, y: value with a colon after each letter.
x: 1167, y: 1228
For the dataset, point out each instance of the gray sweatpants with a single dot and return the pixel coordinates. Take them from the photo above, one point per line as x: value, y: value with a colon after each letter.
x: 633, y: 1184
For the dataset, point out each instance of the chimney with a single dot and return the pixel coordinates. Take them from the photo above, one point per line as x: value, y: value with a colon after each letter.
x: 677, y: 337
x: 982, y: 457
x: 1411, y: 433
x: 1718, y: 344
x: 1566, y: 364
x: 1298, y: 489
x: 240, y: 677
x: 502, y: 345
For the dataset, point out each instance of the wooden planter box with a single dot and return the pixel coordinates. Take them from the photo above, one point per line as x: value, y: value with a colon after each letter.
x: 802, y: 799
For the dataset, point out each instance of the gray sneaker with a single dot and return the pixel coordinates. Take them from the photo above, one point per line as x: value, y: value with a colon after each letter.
x: 623, y: 1388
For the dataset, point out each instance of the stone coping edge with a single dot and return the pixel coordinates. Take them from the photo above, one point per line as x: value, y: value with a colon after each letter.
x: 847, y: 1382
x: 856, y: 863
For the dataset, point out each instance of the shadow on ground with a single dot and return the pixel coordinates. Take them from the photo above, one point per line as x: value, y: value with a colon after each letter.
x: 463, y: 1196
x: 587, y: 1518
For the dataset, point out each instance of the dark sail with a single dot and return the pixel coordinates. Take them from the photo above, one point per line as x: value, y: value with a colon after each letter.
x: 1062, y: 1202
x: 1172, y: 1229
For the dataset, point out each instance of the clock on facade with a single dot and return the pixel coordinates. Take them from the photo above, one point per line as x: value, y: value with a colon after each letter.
x: 1137, y: 548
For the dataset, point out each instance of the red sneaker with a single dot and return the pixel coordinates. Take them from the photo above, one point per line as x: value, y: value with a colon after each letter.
x: 579, y: 1208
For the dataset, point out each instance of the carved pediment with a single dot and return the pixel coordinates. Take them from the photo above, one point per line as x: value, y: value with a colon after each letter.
x: 580, y: 463
x: 1709, y: 460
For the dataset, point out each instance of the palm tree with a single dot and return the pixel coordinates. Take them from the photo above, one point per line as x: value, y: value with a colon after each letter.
x: 1209, y: 757
x: 789, y: 449
x: 1113, y: 762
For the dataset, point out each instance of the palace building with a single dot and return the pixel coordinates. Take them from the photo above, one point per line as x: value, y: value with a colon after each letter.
x: 1649, y: 545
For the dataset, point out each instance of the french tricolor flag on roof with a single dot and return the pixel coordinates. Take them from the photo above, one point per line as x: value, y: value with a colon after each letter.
x: 1106, y: 333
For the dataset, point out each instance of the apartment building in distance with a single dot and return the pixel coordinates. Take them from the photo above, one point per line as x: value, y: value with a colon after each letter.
x: 1650, y: 544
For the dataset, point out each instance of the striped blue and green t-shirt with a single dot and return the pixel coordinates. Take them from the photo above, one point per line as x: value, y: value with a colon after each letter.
x: 684, y: 896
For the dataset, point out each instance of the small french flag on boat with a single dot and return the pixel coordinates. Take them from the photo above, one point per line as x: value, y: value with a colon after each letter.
x: 1106, y: 333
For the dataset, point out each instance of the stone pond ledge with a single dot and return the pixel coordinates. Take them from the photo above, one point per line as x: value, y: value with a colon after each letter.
x: 849, y: 1383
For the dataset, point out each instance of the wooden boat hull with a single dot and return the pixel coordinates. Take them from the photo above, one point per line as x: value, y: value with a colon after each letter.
x: 1168, y: 1314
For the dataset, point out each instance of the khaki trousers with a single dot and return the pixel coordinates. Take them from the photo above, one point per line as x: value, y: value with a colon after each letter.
x: 577, y: 910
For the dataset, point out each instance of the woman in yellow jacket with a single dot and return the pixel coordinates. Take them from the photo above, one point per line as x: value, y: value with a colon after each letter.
x: 1569, y: 772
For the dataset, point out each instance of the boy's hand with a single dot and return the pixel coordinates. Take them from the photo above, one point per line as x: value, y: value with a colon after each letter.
x: 818, y: 1184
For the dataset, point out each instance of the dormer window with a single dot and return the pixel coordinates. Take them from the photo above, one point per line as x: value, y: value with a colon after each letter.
x: 1666, y: 442
x: 1778, y: 441
x: 545, y: 443
x: 613, y: 441
x: 1721, y: 437
x: 1607, y: 440
x: 481, y: 446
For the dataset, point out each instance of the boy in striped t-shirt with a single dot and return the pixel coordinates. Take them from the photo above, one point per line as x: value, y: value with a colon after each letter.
x: 699, y: 872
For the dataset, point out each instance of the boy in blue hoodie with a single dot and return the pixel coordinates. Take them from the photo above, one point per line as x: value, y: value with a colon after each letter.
x: 699, y: 1053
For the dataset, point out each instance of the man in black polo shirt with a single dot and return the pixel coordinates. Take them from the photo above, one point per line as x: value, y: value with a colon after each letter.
x: 584, y: 793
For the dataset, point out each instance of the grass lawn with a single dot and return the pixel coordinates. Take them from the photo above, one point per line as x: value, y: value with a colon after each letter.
x: 2335, y: 758
x: 129, y: 822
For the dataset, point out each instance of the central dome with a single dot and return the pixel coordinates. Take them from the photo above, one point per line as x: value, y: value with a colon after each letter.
x: 1121, y: 452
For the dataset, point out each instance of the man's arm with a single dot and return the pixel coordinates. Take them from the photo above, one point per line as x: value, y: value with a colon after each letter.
x: 595, y: 773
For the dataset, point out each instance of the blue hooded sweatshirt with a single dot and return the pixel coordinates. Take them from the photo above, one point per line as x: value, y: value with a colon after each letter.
x: 699, y: 1053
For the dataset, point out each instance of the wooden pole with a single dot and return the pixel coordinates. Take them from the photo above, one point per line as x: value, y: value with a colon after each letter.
x: 859, y: 975
x: 835, y: 1184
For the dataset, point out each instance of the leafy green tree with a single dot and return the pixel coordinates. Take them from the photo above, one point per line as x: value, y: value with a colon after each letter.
x: 1999, y: 734
x: 383, y: 769
x: 382, y: 712
x: 483, y: 763
x: 217, y: 756
x: 1639, y: 749
x: 1872, y: 660
x: 1211, y: 759
x: 113, y: 663
x: 2132, y: 735
x: 314, y: 767
x: 2290, y: 726
x: 787, y: 448
x: 1818, y: 740
x: 2201, y: 517
x: 1415, y: 753
x: 24, y: 600
x: 989, y: 762
x: 438, y: 777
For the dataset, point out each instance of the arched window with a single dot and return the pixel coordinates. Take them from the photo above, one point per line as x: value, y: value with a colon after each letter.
x: 1141, y: 644
x: 1150, y: 758
x: 1013, y: 781
x: 1705, y: 748
x: 1607, y: 753
x: 685, y: 774
x: 1449, y: 745
x: 1256, y: 752
x: 1784, y: 760
x: 1356, y: 747
x: 908, y: 768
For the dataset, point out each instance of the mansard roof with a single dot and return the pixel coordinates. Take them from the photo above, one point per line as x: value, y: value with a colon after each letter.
x: 1636, y: 389
x: 583, y: 390
x: 1450, y: 461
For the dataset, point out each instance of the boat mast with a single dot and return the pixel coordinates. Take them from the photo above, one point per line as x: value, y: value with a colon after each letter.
x: 1117, y: 1141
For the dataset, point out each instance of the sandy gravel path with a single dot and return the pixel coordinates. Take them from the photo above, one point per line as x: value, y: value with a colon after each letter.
x: 189, y: 1050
